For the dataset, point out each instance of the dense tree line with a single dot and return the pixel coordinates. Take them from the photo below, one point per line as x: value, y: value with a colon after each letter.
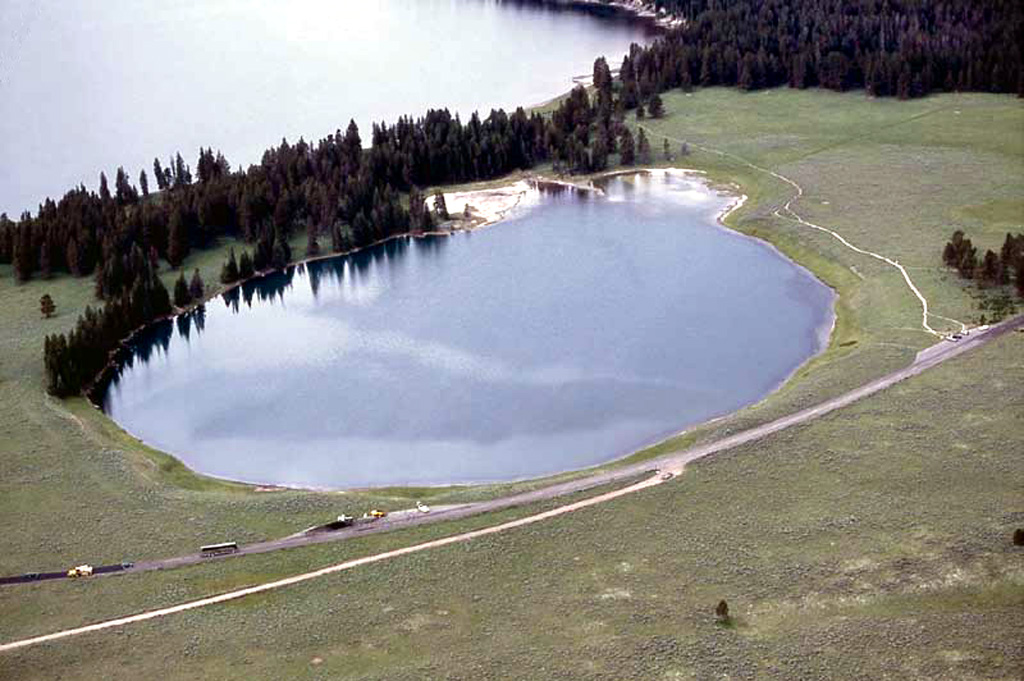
x: 904, y: 48
x: 992, y: 269
x: 333, y: 190
x: 72, y: 361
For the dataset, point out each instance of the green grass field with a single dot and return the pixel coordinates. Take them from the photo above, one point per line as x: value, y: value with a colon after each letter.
x: 871, y: 543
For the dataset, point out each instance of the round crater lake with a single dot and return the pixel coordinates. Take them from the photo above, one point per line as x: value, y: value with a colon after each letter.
x: 581, y: 328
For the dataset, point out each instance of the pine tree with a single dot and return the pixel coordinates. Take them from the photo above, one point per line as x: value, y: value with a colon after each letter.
x: 229, y: 272
x: 104, y: 188
x: 643, y: 149
x: 144, y: 183
x: 627, y: 148
x: 125, y: 193
x: 47, y: 306
x: 195, y: 287
x: 158, y: 173
x: 245, y: 268
x: 177, y: 238
x: 312, y: 244
x: 656, y: 107
x: 666, y: 149
x: 990, y: 268
x: 182, y: 296
x: 44, y: 260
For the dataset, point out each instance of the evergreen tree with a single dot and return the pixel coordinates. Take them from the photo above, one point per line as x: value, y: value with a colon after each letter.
x: 603, y: 86
x: 125, y: 193
x: 666, y: 149
x: 177, y: 241
x: 229, y: 272
x: 104, y: 189
x: 144, y: 183
x: 627, y: 148
x: 195, y: 287
x: 182, y: 174
x: 158, y: 174
x: 312, y: 244
x: 245, y: 269
x: 656, y: 106
x: 23, y: 254
x: 44, y: 260
x: 643, y: 150
x: 598, y: 153
x: 990, y: 269
x: 280, y: 252
x: 182, y: 295
x: 47, y: 306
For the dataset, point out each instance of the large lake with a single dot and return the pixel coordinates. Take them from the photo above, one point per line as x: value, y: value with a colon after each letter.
x: 579, y: 329
x: 87, y: 86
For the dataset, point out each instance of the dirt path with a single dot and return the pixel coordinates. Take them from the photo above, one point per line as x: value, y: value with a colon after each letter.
x: 673, y: 462
x: 786, y: 212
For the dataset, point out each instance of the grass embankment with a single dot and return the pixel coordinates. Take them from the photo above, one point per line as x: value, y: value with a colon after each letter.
x: 874, y: 543
x: 887, y: 521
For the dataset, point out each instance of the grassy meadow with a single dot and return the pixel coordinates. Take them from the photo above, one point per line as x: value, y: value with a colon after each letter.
x: 873, y: 542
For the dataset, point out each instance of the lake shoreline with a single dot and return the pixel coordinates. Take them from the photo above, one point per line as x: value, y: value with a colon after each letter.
x: 500, y: 203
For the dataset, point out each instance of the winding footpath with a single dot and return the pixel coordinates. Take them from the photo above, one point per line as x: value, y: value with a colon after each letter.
x: 672, y: 464
x: 786, y: 212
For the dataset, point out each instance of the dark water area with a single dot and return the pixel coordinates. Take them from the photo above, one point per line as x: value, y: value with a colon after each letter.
x: 577, y: 330
x: 89, y: 86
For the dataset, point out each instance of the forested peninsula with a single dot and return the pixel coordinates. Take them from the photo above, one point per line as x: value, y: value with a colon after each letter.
x: 338, y: 190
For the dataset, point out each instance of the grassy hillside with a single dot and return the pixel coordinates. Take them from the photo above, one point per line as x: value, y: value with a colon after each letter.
x: 892, y: 177
x: 873, y: 542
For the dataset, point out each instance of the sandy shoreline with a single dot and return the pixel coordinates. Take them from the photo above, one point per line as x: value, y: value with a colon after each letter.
x: 475, y: 208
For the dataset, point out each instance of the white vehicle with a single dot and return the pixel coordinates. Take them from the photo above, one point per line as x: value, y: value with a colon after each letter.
x: 80, y: 571
x: 422, y: 508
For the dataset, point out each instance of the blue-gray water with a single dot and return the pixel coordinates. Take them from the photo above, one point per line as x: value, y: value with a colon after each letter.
x: 87, y: 86
x: 574, y: 332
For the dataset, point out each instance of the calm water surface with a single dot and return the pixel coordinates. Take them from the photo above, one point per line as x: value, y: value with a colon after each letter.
x: 578, y: 330
x: 87, y: 86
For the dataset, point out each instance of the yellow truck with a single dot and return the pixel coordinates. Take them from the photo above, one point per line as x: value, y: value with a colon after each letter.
x: 80, y: 571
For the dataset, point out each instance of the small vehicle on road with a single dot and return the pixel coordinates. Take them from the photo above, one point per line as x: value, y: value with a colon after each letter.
x: 667, y: 475
x: 374, y: 514
x: 343, y: 520
x: 422, y: 508
x: 80, y: 571
x: 218, y: 549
